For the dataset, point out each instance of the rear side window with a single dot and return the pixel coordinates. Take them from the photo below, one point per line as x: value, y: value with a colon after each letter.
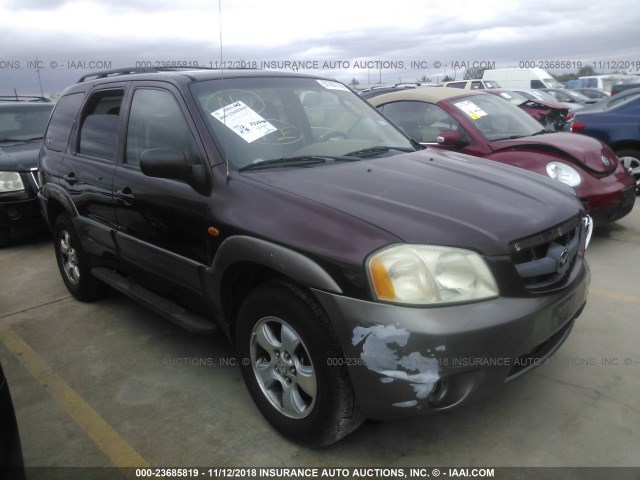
x: 62, y: 121
x: 537, y: 84
x: 99, y: 125
x: 457, y: 85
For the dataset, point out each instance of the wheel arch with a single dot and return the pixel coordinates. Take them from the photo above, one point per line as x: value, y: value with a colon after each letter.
x: 626, y: 144
x: 57, y: 202
x: 242, y: 263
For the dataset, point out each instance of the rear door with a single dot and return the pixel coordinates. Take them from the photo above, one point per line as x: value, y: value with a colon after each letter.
x: 87, y: 168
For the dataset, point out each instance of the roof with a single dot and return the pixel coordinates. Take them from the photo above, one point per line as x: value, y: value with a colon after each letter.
x: 186, y: 73
x: 427, y: 94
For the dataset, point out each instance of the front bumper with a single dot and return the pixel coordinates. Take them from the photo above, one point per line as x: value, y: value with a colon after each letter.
x: 608, y: 208
x: 405, y: 360
x: 19, y: 212
x: 19, y: 209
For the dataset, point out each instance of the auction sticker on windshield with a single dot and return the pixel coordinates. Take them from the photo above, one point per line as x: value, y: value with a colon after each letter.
x: 471, y: 109
x: 244, y: 121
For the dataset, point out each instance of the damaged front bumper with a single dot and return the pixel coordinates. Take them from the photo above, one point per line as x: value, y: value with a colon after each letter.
x: 405, y: 360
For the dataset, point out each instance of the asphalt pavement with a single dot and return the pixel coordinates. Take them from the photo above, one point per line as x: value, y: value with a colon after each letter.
x: 110, y: 384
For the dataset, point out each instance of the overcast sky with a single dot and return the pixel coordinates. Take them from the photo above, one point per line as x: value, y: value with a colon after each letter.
x: 72, y: 38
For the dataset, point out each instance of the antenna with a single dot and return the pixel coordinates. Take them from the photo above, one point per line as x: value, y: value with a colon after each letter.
x: 224, y: 117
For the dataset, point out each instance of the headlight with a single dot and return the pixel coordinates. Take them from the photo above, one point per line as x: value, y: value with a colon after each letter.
x: 564, y: 173
x: 10, y: 182
x: 430, y: 275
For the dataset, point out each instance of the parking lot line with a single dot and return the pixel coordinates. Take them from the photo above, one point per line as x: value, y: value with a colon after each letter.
x: 115, y: 447
x: 615, y: 295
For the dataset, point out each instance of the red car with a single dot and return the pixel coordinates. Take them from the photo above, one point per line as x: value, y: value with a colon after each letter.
x: 479, y: 124
x: 552, y: 115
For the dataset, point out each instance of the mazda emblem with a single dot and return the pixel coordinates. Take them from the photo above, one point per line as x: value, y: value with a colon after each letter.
x: 563, y: 261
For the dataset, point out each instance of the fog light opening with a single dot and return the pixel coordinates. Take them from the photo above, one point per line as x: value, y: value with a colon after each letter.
x: 13, y: 213
x: 439, y: 392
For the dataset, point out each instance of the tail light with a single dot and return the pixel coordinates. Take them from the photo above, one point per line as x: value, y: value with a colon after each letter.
x: 577, y: 126
x: 569, y: 116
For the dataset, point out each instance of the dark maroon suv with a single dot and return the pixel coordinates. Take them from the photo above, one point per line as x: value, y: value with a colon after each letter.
x: 357, y: 275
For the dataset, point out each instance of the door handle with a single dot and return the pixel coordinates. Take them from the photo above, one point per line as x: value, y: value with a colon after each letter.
x: 70, y: 178
x: 125, y: 196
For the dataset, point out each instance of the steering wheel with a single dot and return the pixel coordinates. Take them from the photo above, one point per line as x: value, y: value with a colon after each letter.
x: 332, y: 134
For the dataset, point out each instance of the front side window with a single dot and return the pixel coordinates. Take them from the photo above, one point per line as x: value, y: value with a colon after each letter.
x: 156, y: 121
x: 268, y: 121
x: 421, y: 121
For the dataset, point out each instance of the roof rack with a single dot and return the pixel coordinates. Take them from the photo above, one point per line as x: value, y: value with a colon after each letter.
x: 23, y: 98
x: 133, y: 70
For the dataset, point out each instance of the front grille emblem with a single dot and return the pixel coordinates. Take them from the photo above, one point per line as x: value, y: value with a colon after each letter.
x: 563, y: 261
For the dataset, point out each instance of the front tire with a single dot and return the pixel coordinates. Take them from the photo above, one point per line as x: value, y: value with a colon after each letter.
x: 73, y: 262
x: 630, y: 159
x: 286, y: 343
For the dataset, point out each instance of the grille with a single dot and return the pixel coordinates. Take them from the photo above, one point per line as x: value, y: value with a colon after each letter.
x: 546, y: 259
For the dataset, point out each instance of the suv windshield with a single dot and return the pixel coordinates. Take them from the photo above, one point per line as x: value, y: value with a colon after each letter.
x: 23, y: 122
x: 495, y: 118
x: 283, y: 121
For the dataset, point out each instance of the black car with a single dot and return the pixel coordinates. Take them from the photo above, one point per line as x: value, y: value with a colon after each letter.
x: 22, y: 125
x: 11, y: 465
x: 621, y: 87
x: 357, y: 274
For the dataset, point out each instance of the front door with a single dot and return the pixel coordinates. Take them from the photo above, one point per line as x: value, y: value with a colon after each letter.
x: 162, y: 223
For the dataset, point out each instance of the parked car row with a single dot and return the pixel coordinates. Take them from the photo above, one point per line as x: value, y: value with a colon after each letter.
x: 483, y: 125
x: 286, y: 212
x: 550, y: 114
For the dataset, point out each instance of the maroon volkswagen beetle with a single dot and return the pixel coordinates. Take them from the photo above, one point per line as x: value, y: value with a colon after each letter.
x: 486, y: 126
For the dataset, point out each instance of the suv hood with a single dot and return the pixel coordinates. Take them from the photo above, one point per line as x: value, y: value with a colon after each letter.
x: 436, y: 198
x: 584, y: 151
x: 19, y: 156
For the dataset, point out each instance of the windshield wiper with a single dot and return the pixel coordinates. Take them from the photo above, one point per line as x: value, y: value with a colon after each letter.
x: 299, y: 161
x: 541, y: 132
x: 373, y: 151
x: 512, y: 137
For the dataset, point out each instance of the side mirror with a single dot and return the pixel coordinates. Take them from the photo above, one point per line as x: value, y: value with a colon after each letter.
x: 451, y: 138
x: 164, y: 163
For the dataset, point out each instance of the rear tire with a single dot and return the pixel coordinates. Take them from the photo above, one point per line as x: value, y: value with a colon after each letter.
x: 74, y: 263
x: 286, y: 342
